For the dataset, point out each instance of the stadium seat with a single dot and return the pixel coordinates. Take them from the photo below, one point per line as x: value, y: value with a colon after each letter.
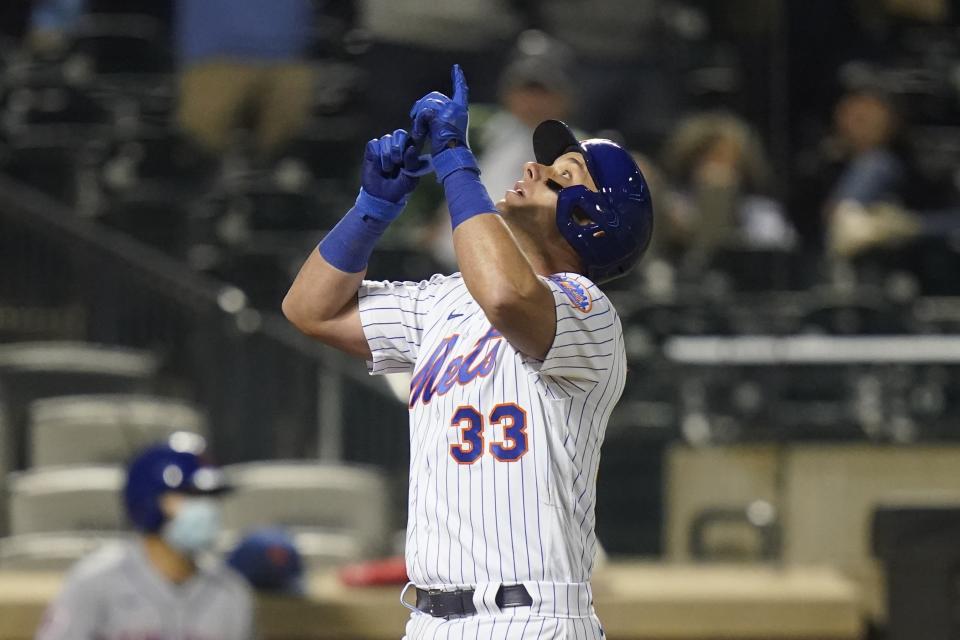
x: 51, y: 551
x: 310, y: 497
x: 70, y: 498
x: 323, y: 549
x: 33, y: 370
x: 104, y: 429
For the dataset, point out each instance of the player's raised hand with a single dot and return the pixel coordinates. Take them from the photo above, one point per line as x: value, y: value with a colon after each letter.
x: 391, y: 166
x: 443, y: 120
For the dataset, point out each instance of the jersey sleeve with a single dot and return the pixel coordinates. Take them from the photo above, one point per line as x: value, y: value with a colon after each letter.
x: 588, y: 333
x: 392, y: 315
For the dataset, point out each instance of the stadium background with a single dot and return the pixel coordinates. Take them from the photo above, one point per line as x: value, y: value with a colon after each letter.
x: 784, y: 460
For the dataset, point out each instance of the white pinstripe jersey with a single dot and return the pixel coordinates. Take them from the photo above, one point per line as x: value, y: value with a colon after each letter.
x: 504, y: 448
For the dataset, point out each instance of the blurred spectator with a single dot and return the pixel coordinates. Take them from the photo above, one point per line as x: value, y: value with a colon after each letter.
x: 865, y: 130
x: 873, y: 195
x: 721, y: 176
x: 415, y: 42
x: 51, y: 22
x: 536, y: 85
x: 158, y: 585
x: 862, y: 153
x: 240, y: 60
x: 905, y: 47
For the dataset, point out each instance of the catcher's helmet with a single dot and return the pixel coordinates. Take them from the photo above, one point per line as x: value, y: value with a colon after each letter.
x: 620, y: 213
x: 174, y: 466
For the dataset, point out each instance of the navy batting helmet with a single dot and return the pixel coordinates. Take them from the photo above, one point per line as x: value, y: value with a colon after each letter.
x: 619, y: 215
x: 174, y: 466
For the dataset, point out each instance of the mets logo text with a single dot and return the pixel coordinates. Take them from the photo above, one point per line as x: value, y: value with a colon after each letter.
x: 576, y: 292
x: 438, y: 377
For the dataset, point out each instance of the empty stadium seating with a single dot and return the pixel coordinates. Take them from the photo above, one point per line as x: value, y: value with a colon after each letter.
x: 311, y: 498
x: 104, y: 429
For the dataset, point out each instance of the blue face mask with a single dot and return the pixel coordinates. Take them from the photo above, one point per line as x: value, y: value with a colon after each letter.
x: 195, y: 527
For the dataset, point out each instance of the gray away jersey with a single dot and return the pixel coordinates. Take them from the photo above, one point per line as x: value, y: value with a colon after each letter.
x: 116, y: 594
x: 504, y: 448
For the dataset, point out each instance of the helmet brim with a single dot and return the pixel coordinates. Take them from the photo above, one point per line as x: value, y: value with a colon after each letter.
x: 552, y: 139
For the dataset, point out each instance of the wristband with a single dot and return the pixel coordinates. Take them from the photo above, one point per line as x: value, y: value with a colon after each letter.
x: 378, y: 207
x: 466, y: 196
x: 450, y: 160
x: 350, y: 243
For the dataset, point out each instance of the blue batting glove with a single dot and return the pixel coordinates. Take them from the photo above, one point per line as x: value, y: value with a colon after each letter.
x: 391, y: 165
x: 441, y: 119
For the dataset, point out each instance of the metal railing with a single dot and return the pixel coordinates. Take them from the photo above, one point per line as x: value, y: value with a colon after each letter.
x: 270, y: 392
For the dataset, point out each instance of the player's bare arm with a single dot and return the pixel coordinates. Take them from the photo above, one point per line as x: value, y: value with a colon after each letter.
x: 503, y: 282
x: 498, y: 274
x: 322, y: 301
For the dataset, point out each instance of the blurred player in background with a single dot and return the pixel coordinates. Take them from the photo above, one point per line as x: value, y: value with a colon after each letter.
x: 157, y: 585
x: 518, y: 361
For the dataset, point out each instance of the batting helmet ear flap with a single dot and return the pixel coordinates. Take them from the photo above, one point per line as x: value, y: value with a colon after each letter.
x: 581, y: 232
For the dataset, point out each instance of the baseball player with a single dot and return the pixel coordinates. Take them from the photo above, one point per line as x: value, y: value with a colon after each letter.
x: 517, y: 361
x: 155, y: 586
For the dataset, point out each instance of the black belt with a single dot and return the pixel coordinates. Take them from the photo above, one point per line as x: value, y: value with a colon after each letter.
x: 453, y: 604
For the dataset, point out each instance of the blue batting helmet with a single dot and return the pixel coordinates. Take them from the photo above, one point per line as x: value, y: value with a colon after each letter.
x: 619, y: 215
x: 175, y: 466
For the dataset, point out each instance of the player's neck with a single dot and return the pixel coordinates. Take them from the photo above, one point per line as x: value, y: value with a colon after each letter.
x: 547, y: 256
x: 170, y: 563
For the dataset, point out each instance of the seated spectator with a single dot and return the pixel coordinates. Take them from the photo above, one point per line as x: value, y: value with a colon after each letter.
x: 158, y: 585
x: 240, y: 59
x: 535, y: 86
x: 865, y: 128
x: 720, y: 176
x: 871, y: 175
